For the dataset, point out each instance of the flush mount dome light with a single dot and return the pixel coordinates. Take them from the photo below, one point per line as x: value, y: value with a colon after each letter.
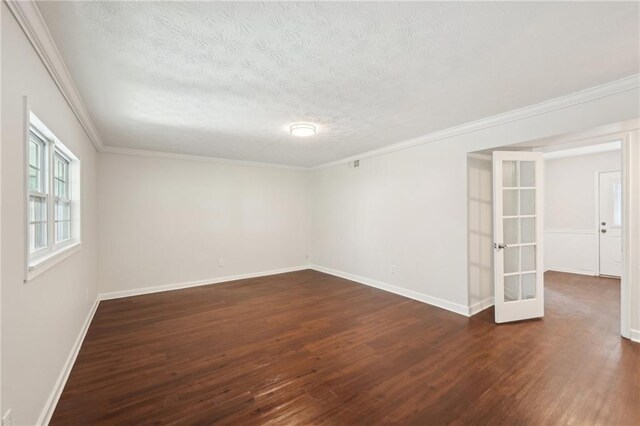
x: 302, y: 129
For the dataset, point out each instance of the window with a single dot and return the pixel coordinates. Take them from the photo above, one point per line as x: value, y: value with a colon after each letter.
x: 37, y: 192
x: 62, y: 200
x: 617, y: 204
x: 53, y: 196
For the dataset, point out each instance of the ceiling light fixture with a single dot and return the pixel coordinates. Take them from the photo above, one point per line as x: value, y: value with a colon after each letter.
x: 302, y: 129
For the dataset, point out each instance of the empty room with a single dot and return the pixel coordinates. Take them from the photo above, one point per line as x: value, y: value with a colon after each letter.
x: 319, y: 213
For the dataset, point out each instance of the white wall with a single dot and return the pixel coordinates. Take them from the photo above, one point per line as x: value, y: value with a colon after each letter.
x: 571, y: 229
x: 480, y: 232
x: 408, y: 208
x: 42, y: 318
x: 167, y: 221
x: 570, y: 189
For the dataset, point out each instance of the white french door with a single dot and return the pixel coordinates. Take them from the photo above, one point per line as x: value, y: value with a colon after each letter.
x: 518, y: 181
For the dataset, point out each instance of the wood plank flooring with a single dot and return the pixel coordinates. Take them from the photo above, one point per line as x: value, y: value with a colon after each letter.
x: 310, y: 348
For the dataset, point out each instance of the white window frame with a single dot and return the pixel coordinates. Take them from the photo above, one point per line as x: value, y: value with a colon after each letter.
x: 44, y: 258
x: 57, y: 198
x: 42, y: 191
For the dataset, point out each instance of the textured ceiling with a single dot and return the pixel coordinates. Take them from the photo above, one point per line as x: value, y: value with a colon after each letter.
x: 226, y: 79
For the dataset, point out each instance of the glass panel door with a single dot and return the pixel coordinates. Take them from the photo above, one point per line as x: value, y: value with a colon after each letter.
x: 518, y: 183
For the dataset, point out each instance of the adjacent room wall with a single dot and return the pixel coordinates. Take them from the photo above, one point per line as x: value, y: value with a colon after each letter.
x: 571, y: 229
x: 41, y: 319
x: 168, y: 222
x: 480, y: 232
x: 398, y: 220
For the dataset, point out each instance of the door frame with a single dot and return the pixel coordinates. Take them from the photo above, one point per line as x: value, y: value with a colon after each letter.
x: 630, y: 228
x: 628, y: 132
x: 630, y: 169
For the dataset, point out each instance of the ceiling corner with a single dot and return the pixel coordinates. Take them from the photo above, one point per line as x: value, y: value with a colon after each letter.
x: 32, y: 23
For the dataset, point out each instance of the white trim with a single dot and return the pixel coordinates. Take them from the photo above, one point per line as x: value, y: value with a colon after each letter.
x: 570, y: 231
x: 596, y: 212
x: 635, y: 335
x: 198, y: 283
x: 593, y: 136
x: 607, y: 89
x: 480, y: 306
x: 32, y: 23
x: 26, y: 124
x: 50, y: 260
x: 2, y: 413
x: 30, y: 19
x: 630, y: 231
x: 185, y: 157
x: 52, y: 401
x: 581, y: 151
x: 421, y: 297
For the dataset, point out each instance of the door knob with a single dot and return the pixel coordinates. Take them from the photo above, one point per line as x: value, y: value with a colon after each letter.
x: 604, y: 231
x: 499, y: 246
x: 604, y: 223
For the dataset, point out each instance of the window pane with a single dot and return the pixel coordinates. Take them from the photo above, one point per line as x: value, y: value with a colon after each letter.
x: 37, y: 222
x: 36, y: 149
x: 510, y: 202
x: 510, y: 229
x: 528, y: 258
x: 528, y: 286
x: 617, y: 204
x: 33, y: 178
x: 59, y: 232
x: 33, y: 153
x: 511, y: 260
x: 511, y: 288
x: 61, y: 176
x: 32, y: 238
x: 509, y: 173
x: 527, y: 173
x: 37, y: 209
x: 527, y: 201
x: 528, y: 230
x: 62, y: 221
x: 41, y: 235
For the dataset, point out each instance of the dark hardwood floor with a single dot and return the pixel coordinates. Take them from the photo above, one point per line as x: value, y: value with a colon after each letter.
x: 309, y: 348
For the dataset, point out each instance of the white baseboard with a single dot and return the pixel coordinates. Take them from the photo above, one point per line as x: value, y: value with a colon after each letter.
x: 481, y: 306
x: 52, y: 401
x: 571, y: 271
x: 188, y: 284
x: 421, y: 297
x: 635, y: 335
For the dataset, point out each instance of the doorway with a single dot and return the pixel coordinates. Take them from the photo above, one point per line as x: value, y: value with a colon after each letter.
x: 572, y: 249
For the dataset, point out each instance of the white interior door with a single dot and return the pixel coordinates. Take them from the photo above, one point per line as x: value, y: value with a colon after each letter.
x: 610, y: 225
x: 518, y: 182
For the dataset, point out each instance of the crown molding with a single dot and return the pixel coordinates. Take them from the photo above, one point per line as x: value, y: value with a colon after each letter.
x: 30, y: 19
x: 106, y: 149
x: 32, y: 23
x: 628, y: 83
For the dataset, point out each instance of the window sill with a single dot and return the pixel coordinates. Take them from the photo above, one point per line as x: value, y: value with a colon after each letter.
x: 44, y: 263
